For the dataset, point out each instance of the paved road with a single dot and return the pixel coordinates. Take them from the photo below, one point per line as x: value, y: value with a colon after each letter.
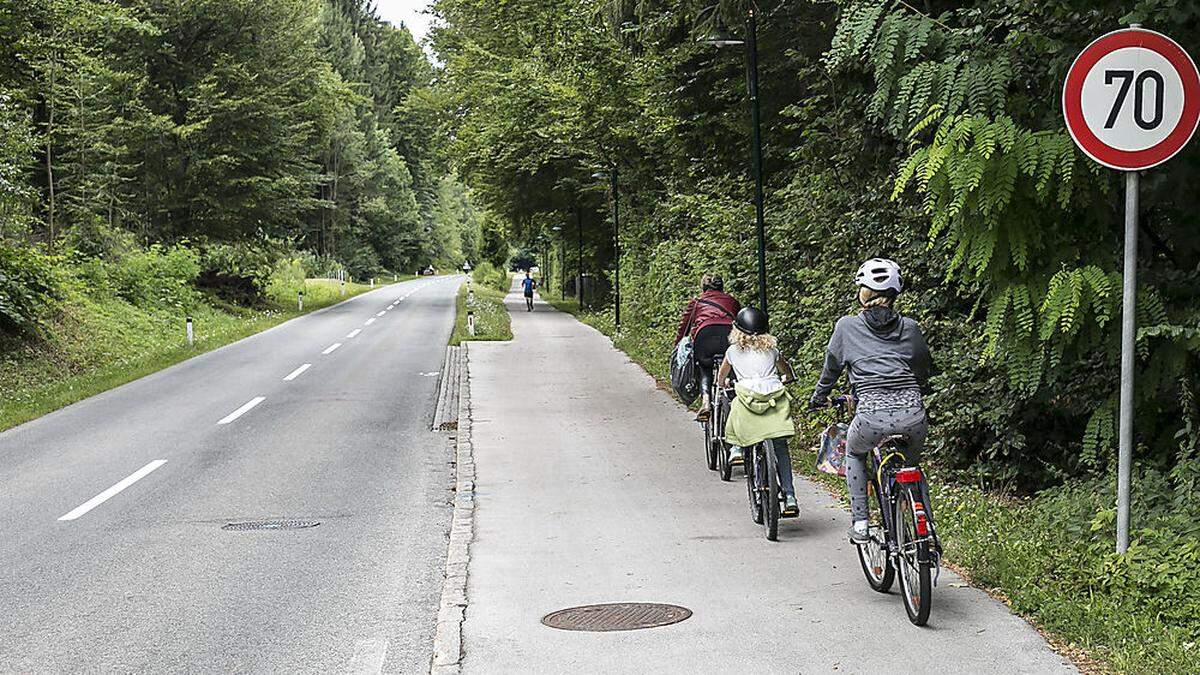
x: 148, y: 581
x: 591, y: 488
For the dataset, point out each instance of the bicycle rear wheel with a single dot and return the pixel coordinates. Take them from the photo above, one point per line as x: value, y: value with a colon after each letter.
x: 710, y: 442
x: 876, y: 563
x: 914, y: 562
x: 754, y: 468
x: 720, y: 413
x: 770, y: 495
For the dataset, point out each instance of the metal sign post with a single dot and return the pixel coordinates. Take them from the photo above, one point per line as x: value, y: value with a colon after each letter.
x: 1131, y: 101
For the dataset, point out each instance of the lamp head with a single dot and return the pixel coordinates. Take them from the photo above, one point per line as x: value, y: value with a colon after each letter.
x: 721, y: 37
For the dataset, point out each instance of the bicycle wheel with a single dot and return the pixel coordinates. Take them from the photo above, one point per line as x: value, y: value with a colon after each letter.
x: 754, y: 469
x: 913, y: 559
x: 770, y: 495
x: 876, y: 563
x: 710, y: 451
x: 720, y: 412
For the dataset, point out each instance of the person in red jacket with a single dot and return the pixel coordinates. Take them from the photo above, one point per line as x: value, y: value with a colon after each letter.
x: 708, y: 319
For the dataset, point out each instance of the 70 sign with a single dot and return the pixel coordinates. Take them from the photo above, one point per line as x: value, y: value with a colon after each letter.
x: 1131, y: 100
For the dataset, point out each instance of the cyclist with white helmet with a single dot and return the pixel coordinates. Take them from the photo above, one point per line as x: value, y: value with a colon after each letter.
x: 888, y: 364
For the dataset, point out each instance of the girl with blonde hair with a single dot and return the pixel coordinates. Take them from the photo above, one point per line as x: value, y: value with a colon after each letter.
x: 761, y: 411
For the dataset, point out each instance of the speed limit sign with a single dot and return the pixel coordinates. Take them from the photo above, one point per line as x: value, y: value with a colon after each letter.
x: 1132, y: 99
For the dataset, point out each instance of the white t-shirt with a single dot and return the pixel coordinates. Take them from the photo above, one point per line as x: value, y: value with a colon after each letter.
x: 755, y: 370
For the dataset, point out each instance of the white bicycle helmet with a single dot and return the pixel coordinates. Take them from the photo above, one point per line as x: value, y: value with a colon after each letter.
x: 879, y: 274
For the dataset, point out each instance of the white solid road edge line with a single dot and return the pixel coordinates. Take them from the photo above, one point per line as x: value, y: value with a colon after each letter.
x: 113, y: 491
x: 296, y: 373
x: 242, y: 410
x: 330, y: 348
x: 353, y: 333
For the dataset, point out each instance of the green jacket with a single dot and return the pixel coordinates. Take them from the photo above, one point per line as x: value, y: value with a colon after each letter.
x: 755, y: 417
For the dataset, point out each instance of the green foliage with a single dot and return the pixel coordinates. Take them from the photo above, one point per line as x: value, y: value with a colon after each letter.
x: 29, y: 288
x: 157, y: 277
x: 487, y: 275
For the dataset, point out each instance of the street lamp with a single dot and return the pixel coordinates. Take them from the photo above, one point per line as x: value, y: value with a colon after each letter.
x: 722, y: 38
x: 612, y: 176
x: 562, y: 265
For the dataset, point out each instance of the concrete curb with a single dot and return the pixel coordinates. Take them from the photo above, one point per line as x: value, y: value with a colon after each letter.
x: 447, y: 640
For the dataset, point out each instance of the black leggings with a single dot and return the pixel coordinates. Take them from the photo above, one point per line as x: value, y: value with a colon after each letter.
x: 710, y: 341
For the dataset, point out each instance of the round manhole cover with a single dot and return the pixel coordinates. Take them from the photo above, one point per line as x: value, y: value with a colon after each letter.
x: 616, y: 616
x: 278, y: 524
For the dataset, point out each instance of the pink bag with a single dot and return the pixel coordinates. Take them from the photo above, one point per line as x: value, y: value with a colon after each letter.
x: 831, y: 458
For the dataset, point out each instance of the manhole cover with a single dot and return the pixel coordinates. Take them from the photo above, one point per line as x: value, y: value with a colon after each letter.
x: 616, y: 616
x: 270, y: 525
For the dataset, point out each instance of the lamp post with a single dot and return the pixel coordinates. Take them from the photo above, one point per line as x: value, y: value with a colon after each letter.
x: 722, y: 38
x: 612, y: 176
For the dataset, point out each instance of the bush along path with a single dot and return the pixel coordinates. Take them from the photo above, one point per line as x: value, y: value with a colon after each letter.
x: 96, y: 341
x: 1048, y: 556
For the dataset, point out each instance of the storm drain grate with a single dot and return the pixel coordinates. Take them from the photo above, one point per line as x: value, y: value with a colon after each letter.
x: 270, y: 525
x: 616, y: 616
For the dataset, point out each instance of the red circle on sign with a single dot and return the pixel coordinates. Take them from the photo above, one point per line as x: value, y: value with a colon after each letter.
x: 1072, y: 101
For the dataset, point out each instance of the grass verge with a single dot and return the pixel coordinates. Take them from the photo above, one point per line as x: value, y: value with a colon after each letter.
x: 491, y: 316
x: 98, y: 343
x: 1049, y: 557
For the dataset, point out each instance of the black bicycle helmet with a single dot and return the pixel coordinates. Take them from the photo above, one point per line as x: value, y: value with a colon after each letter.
x: 751, y: 320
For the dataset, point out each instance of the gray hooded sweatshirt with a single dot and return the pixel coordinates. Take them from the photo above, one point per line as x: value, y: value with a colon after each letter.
x: 882, y: 351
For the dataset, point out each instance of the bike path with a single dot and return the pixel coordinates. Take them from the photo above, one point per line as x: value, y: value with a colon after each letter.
x: 591, y: 488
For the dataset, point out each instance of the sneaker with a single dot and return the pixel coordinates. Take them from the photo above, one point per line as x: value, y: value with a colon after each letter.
x: 790, y: 507
x: 703, y: 414
x: 735, y: 455
x: 858, y: 533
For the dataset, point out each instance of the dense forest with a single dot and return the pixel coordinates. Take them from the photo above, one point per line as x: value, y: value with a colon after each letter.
x: 927, y: 132
x: 214, y: 144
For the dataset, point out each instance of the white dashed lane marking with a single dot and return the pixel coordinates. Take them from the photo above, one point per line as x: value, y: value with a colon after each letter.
x: 246, y: 407
x: 330, y: 348
x: 353, y: 333
x: 296, y: 373
x: 113, y: 491
x: 369, y: 321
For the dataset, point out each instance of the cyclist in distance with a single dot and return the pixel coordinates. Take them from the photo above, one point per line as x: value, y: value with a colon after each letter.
x: 528, y: 284
x: 889, y: 365
x: 707, y: 319
x: 762, y: 409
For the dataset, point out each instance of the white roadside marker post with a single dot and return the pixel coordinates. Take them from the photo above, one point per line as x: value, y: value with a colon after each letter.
x: 372, y: 282
x: 1131, y: 131
x: 190, y: 334
x: 299, y: 301
x: 471, y: 323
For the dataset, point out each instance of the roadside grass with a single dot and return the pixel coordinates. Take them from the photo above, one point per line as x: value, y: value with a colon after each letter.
x: 98, y: 343
x: 1048, y: 557
x: 491, y: 316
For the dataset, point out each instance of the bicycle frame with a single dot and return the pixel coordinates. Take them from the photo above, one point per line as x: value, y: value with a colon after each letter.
x: 887, y: 474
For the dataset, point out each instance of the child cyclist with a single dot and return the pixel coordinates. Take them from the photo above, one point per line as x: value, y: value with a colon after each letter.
x: 889, y: 366
x: 762, y: 409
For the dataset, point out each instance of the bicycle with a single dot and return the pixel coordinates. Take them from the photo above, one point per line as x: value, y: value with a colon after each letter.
x: 901, y: 532
x: 717, y: 450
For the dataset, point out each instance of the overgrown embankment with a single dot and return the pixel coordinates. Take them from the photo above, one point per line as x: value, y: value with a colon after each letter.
x: 97, y: 324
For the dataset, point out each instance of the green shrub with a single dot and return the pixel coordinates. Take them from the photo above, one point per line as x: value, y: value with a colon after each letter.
x: 286, y: 281
x: 487, y: 274
x: 157, y: 277
x: 241, y: 272
x: 30, y: 287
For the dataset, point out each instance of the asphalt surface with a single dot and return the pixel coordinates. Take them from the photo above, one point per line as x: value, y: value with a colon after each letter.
x: 148, y: 580
x: 591, y: 488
